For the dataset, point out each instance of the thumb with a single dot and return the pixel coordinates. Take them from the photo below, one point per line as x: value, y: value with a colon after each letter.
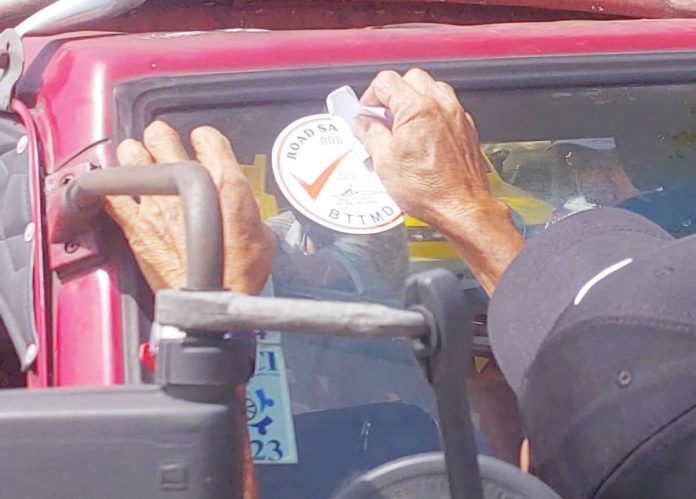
x: 374, y: 134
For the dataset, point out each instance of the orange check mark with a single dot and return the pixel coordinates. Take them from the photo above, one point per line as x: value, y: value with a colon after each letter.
x: 314, y: 189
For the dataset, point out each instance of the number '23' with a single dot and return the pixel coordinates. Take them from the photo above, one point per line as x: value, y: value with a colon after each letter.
x: 268, y: 451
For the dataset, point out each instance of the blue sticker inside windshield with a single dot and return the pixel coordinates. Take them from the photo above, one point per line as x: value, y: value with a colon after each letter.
x: 269, y: 415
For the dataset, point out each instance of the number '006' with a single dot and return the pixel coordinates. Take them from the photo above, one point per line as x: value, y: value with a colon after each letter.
x: 332, y: 140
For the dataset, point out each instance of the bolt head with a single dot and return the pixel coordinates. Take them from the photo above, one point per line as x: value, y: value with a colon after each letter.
x: 22, y: 144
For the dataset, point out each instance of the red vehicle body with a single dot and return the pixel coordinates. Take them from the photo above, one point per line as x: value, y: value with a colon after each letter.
x: 70, y: 122
x: 65, y: 101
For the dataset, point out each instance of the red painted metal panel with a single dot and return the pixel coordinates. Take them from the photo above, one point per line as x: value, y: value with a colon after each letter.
x: 628, y: 8
x: 78, y: 79
x: 86, y: 337
x: 88, y: 345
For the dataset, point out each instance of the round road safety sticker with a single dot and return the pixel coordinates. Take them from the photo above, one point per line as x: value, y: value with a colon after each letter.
x: 318, y: 168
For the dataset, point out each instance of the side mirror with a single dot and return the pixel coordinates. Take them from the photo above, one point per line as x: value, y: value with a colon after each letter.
x: 116, y: 442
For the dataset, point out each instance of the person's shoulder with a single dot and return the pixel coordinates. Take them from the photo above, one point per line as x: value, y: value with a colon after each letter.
x: 672, y: 208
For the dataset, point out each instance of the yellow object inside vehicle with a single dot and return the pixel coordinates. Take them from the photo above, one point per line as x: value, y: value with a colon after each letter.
x: 424, y: 241
x: 256, y: 174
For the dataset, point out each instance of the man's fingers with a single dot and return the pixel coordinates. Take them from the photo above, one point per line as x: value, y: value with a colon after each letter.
x: 240, y: 208
x: 389, y: 89
x: 213, y: 151
x: 164, y: 143
x: 123, y: 209
x: 420, y: 80
x: 374, y: 134
x: 248, y: 246
x: 525, y: 461
x: 130, y: 152
x: 447, y: 90
x: 165, y: 146
x: 358, y: 126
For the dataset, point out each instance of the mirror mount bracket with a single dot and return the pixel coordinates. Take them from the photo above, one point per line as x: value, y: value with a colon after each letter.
x: 202, y: 368
x: 11, y: 64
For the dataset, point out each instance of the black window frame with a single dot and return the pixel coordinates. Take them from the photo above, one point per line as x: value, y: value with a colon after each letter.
x: 138, y: 101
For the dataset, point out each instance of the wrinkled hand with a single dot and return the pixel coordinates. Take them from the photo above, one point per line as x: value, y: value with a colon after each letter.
x: 155, y: 229
x: 430, y: 160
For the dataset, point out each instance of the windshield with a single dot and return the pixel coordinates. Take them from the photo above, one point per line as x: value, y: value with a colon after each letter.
x: 324, y: 409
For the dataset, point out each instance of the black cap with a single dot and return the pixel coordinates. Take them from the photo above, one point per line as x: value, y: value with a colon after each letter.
x: 594, y: 326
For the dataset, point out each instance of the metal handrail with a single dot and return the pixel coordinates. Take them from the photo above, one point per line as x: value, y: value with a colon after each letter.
x: 199, y: 197
x: 228, y: 311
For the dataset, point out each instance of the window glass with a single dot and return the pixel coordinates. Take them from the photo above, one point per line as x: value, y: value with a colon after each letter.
x: 547, y: 153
